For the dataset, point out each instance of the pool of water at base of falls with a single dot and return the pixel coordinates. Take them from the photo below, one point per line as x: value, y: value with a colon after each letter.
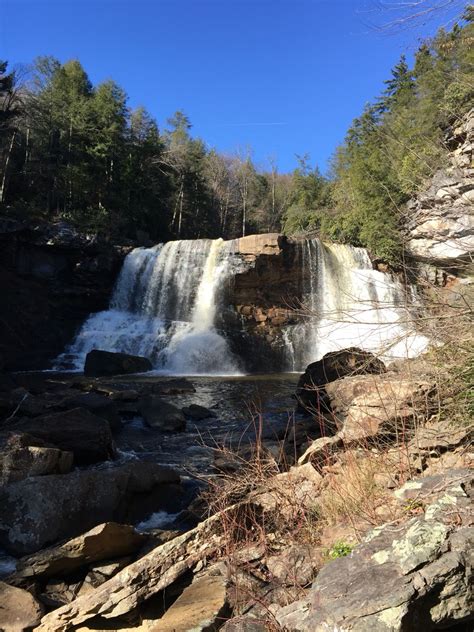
x: 239, y: 404
x: 236, y: 403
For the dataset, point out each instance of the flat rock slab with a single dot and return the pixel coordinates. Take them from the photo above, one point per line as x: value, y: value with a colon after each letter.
x: 201, y: 606
x: 103, y: 542
x: 19, y: 610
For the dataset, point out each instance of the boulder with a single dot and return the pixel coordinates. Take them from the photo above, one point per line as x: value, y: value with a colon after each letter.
x: 41, y: 510
x: 78, y: 431
x: 294, y: 566
x: 161, y: 415
x: 97, y: 404
x: 99, y: 363
x: 265, y: 244
x: 201, y: 606
x: 366, y: 406
x: 413, y: 576
x: 196, y: 412
x: 21, y: 461
x: 106, y: 541
x: 19, y: 610
x: 310, y: 392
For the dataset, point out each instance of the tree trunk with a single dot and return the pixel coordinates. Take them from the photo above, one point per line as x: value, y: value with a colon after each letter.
x: 3, y: 188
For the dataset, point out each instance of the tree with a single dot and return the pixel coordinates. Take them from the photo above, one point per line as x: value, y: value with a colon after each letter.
x: 9, y: 111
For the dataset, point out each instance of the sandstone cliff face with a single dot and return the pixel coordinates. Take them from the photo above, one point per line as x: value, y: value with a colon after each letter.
x: 440, y: 230
x: 52, y: 278
x: 262, y: 296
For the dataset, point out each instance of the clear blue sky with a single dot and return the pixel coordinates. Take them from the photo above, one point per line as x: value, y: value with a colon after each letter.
x: 284, y: 76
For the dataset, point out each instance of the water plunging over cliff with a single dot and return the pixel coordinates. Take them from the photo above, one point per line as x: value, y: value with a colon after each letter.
x: 166, y: 299
x: 347, y: 303
x: 163, y: 307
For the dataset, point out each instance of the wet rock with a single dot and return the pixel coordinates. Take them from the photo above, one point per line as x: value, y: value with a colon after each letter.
x: 78, y: 431
x: 414, y: 576
x: 41, y: 510
x: 161, y: 415
x: 97, y: 404
x: 311, y: 393
x: 196, y: 412
x: 174, y: 386
x: 102, y: 363
x: 19, y: 461
x: 201, y: 606
x: 19, y: 610
x: 103, y: 542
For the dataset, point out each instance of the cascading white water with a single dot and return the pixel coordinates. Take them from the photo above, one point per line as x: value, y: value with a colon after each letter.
x: 163, y: 307
x: 165, y: 301
x: 346, y: 303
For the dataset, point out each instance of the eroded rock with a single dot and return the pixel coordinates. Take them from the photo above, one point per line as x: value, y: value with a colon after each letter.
x: 413, y: 576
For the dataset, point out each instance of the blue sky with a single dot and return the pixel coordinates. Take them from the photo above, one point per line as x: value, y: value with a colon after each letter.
x: 284, y: 76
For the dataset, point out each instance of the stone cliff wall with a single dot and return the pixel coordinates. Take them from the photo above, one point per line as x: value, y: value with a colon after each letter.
x: 51, y: 278
x: 440, y: 229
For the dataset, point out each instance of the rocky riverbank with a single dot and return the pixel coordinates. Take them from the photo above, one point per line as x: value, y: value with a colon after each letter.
x: 359, y: 515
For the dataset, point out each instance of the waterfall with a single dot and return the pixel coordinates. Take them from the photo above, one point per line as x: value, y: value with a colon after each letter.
x: 166, y: 303
x: 346, y: 303
x: 163, y: 307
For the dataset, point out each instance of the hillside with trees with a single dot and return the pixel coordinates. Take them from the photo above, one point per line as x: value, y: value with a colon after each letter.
x: 70, y: 150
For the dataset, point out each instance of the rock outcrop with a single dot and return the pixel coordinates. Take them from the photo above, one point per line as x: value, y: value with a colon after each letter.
x: 79, y: 431
x: 440, y: 229
x: 311, y: 392
x: 52, y: 278
x: 19, y: 610
x: 411, y: 576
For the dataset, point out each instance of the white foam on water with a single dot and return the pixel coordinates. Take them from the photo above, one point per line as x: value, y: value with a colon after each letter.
x: 157, y: 520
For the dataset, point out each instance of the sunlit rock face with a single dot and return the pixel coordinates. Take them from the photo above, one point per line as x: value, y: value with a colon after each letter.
x: 260, y: 303
x: 440, y: 229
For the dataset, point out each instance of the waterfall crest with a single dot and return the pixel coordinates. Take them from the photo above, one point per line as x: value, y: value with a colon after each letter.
x: 166, y: 301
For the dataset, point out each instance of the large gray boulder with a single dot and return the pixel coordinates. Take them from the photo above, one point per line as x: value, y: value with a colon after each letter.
x: 78, y: 431
x: 101, y: 363
x: 41, y: 510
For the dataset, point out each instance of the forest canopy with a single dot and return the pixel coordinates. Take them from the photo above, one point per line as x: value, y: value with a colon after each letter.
x: 71, y: 150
